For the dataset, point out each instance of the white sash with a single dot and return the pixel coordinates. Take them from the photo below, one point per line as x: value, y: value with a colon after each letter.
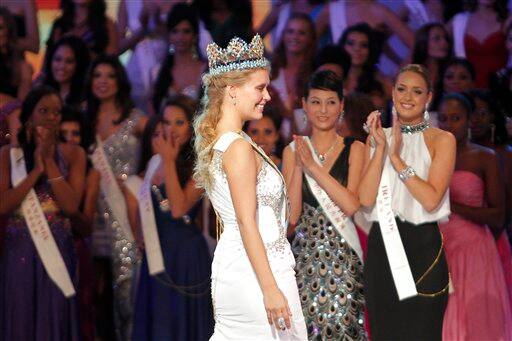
x: 110, y: 189
x: 142, y: 191
x: 337, y: 19
x: 343, y: 224
x: 39, y: 230
x: 400, y: 268
x: 460, y: 22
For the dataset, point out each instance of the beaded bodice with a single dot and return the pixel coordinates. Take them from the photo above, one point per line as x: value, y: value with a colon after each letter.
x: 122, y: 149
x: 270, y: 197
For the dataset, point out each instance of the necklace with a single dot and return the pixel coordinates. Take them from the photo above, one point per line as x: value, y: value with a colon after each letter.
x: 323, y: 156
x: 415, y: 128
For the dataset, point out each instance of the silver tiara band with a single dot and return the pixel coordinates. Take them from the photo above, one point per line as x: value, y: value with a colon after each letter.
x: 244, y: 65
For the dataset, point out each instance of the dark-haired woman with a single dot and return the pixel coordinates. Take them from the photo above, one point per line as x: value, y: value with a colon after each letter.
x: 176, y: 304
x: 488, y: 128
x: 404, y: 191
x: 67, y: 63
x: 291, y: 66
x: 182, y: 68
x: 322, y: 174
x: 87, y: 20
x: 478, y: 205
x: 479, y: 35
x: 432, y: 49
x: 117, y: 126
x: 50, y: 176
x: 361, y: 43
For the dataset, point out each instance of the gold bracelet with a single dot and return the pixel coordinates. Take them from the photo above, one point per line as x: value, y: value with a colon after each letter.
x: 57, y: 178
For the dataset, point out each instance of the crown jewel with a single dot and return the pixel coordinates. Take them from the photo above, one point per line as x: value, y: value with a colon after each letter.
x: 238, y: 55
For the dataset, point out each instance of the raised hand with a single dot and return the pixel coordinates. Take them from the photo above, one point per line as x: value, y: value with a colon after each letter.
x: 376, y: 133
x: 303, y: 153
x: 45, y: 140
x: 396, y: 142
x: 168, y: 148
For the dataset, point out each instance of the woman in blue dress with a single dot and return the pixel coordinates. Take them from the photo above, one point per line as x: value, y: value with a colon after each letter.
x: 175, y: 304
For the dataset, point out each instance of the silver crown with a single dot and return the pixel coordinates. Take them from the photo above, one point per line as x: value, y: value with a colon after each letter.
x: 237, y: 56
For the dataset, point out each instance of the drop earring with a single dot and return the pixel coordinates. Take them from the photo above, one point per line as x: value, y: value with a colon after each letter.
x: 340, y: 118
x: 493, y: 130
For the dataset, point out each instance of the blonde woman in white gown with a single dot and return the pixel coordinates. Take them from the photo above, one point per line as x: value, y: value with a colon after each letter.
x: 254, y: 291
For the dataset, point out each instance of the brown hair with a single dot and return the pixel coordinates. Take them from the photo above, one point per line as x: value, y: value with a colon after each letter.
x: 418, y: 69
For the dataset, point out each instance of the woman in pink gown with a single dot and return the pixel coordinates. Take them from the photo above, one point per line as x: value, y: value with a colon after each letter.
x: 478, y: 308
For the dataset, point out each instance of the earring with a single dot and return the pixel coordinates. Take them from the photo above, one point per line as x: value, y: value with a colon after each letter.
x: 172, y: 49
x: 426, y: 115
x: 304, y: 118
x: 195, y: 56
x: 469, y: 134
x: 493, y: 129
x: 234, y: 100
x: 340, y: 118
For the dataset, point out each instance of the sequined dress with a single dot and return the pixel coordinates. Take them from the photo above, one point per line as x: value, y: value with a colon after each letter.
x: 32, y: 307
x: 237, y: 297
x: 175, y: 305
x: 329, y: 271
x: 122, y: 150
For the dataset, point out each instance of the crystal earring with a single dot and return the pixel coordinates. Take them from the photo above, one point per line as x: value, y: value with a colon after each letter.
x: 426, y: 115
x: 469, y: 134
x: 234, y: 101
x: 340, y: 118
x: 304, y: 118
x: 172, y: 49
x: 394, y: 113
x: 493, y: 130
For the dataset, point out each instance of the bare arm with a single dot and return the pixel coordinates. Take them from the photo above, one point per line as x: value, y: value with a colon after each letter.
x: 112, y: 46
x: 181, y: 200
x: 345, y: 198
x: 322, y: 22
x: 270, y: 21
x: 292, y: 173
x: 430, y: 192
x: 91, y: 193
x: 128, y: 42
x: 395, y: 24
x: 12, y: 197
x: 31, y: 41
x: 25, y: 79
x: 68, y: 192
x: 240, y: 165
x: 493, y: 214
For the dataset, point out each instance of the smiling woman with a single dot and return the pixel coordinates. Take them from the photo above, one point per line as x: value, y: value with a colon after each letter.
x: 407, y: 172
x: 322, y: 175
x: 254, y: 292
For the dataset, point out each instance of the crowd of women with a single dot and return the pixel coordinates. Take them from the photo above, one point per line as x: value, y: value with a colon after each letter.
x: 417, y: 93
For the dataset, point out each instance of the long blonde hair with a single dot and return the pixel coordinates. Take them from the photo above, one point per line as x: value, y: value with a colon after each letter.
x: 205, y: 124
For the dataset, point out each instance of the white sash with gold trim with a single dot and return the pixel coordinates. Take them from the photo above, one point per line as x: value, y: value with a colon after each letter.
x: 110, y: 189
x: 400, y: 268
x: 341, y: 222
x: 142, y: 191
x: 39, y: 230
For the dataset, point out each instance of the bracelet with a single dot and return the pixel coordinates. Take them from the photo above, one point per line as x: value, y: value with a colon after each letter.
x: 406, y: 173
x: 55, y: 179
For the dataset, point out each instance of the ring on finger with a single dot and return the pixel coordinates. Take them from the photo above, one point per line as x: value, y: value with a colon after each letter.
x: 281, y: 323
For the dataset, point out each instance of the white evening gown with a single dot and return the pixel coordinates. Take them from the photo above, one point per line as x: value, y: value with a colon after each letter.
x: 237, y: 298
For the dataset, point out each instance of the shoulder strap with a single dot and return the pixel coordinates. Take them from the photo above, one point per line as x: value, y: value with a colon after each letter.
x: 225, y: 141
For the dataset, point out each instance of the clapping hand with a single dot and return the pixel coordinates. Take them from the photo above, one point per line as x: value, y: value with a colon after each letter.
x: 376, y: 136
x: 396, y: 145
x: 303, y: 154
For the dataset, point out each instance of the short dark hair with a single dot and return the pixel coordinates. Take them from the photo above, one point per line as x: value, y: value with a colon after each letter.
x: 465, y: 100
x: 324, y: 80
x: 72, y: 114
x: 462, y: 62
x: 333, y: 54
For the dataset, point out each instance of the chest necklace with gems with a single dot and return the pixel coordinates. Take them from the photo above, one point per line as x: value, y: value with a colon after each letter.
x: 323, y: 156
x: 415, y: 128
